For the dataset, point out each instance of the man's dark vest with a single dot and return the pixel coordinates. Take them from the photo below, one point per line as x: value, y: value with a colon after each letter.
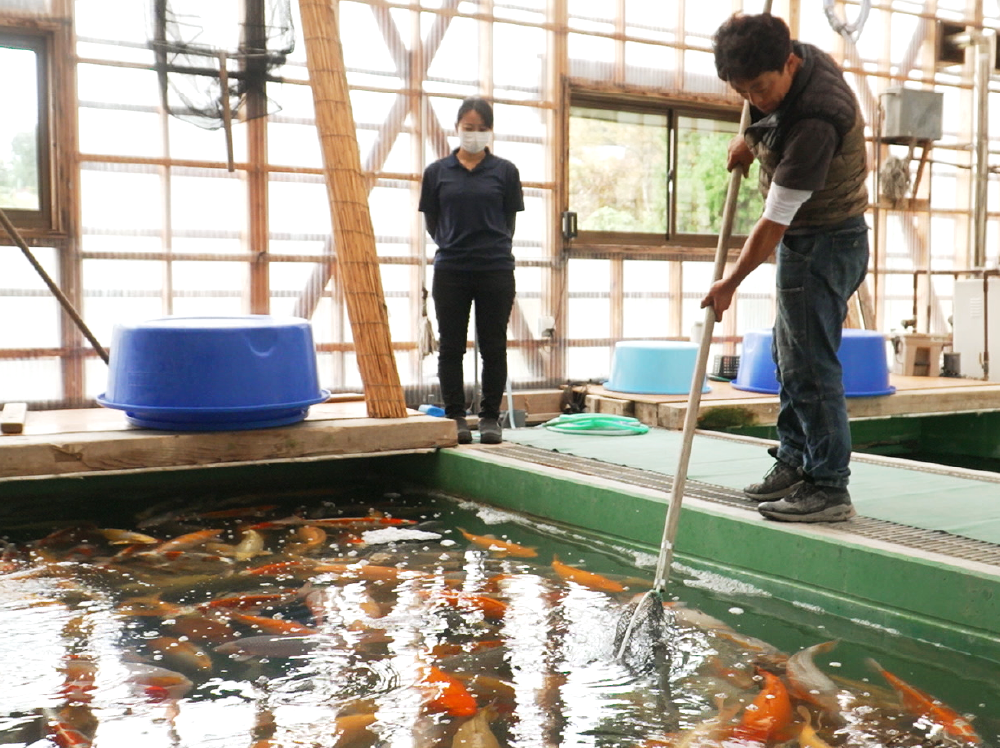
x: 818, y: 91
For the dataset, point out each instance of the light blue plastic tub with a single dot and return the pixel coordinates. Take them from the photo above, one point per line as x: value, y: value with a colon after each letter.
x: 653, y: 367
x: 213, y: 373
x: 862, y: 354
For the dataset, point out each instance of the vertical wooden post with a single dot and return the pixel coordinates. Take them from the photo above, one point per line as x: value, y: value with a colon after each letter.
x: 356, y: 256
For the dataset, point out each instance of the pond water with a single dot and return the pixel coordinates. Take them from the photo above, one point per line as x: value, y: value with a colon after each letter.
x: 370, y: 617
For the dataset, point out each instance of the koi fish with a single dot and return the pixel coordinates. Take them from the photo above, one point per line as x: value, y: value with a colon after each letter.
x: 248, y: 601
x: 270, y: 625
x: 369, y: 572
x: 350, y: 727
x: 807, y: 735
x: 492, y: 609
x: 499, y: 546
x: 922, y: 704
x: 127, y: 537
x: 308, y: 539
x: 475, y: 733
x: 808, y: 683
x: 769, y: 715
x: 585, y: 578
x: 268, y: 646
x: 446, y: 693
x: 244, y: 511
x: 251, y: 545
x: 201, y: 629
x: 710, y: 732
x: 63, y: 733
x: 157, y: 683
x: 80, y: 673
x: 186, y: 542
x: 181, y: 654
x: 146, y: 606
x: 284, y: 569
x: 331, y: 522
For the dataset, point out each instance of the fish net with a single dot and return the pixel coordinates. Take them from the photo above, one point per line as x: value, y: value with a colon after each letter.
x: 641, y: 634
x: 214, y: 59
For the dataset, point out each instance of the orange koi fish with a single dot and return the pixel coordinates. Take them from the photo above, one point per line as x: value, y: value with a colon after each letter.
x: 63, y: 733
x: 201, y: 629
x: 446, y: 693
x: 251, y: 545
x: 243, y: 511
x: 157, y: 683
x: 270, y: 625
x: 80, y: 673
x: 148, y: 606
x: 181, y: 654
x: 308, y: 538
x: 492, y: 609
x: 499, y: 546
x: 331, y: 522
x: 585, y: 578
x: 284, y: 569
x: 768, y: 717
x: 807, y: 735
x: 923, y: 704
x: 349, y: 728
x: 248, y: 601
x: 186, y: 541
x: 369, y: 572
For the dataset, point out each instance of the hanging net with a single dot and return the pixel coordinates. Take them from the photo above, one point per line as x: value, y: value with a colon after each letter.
x: 214, y: 58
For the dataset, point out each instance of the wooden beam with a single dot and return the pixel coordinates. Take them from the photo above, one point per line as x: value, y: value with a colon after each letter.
x: 348, y: 195
x: 13, y: 417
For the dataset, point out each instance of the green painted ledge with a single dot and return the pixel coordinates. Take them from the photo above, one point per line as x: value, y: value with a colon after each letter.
x: 956, y: 605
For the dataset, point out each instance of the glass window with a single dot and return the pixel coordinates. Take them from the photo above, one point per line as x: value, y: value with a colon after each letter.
x: 24, y: 180
x: 651, y: 174
x: 618, y: 170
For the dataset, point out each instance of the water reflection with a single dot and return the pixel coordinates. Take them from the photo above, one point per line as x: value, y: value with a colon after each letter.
x: 329, y: 626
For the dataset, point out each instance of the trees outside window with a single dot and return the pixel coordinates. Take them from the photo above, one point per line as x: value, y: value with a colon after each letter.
x: 24, y: 158
x: 653, y: 175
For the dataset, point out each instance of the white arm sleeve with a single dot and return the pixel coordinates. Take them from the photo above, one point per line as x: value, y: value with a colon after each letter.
x: 782, y: 203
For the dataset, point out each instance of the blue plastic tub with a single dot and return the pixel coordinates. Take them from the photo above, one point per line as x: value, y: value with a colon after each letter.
x: 862, y: 354
x: 213, y: 373
x: 653, y: 367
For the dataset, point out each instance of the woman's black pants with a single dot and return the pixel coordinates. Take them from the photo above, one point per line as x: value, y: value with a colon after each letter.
x: 454, y: 292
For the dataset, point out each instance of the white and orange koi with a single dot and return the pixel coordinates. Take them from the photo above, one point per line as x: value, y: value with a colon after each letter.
x: 63, y: 733
x: 127, y: 537
x: 157, y: 683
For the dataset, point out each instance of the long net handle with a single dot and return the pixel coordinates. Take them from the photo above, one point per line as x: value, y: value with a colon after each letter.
x: 698, y: 378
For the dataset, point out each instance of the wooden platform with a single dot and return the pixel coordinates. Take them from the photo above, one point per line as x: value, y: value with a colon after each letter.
x: 727, y: 406
x: 68, y: 442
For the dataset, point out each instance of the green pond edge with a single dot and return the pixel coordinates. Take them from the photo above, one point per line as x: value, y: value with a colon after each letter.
x: 949, y: 605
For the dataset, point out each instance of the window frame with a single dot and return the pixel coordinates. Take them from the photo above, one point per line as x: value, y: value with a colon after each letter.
x: 693, y: 246
x: 41, y: 44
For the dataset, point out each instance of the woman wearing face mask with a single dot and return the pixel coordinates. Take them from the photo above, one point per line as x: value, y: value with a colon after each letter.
x: 469, y: 200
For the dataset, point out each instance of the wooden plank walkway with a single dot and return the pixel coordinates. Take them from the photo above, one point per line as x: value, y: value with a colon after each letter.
x: 727, y: 406
x: 90, y: 440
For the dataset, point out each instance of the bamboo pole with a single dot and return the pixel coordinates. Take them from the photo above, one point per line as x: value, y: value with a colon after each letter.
x: 352, y: 224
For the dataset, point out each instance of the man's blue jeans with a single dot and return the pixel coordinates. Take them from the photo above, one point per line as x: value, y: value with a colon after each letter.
x: 816, y: 275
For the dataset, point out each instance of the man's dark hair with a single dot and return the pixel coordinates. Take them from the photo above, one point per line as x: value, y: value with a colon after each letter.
x: 746, y: 46
x: 477, y: 104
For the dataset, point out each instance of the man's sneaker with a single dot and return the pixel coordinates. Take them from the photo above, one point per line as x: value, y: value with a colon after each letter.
x: 777, y: 483
x: 464, y: 432
x: 490, y: 431
x: 810, y: 503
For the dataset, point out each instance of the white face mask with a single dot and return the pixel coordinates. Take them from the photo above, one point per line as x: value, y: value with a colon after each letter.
x: 473, y: 141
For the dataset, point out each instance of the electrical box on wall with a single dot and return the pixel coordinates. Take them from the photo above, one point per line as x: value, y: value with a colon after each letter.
x: 912, y: 115
x: 977, y: 328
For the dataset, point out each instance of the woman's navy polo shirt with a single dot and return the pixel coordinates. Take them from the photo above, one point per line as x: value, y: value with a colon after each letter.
x: 471, y: 208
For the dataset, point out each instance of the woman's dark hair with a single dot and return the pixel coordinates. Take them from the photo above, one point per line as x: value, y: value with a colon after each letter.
x: 478, y: 105
x: 746, y: 46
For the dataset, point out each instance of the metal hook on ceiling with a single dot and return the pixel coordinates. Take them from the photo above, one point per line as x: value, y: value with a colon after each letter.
x: 852, y: 30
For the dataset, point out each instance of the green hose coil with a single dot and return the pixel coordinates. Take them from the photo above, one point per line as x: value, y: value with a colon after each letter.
x: 600, y: 424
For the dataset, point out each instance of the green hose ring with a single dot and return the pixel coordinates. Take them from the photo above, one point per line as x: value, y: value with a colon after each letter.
x: 601, y: 424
